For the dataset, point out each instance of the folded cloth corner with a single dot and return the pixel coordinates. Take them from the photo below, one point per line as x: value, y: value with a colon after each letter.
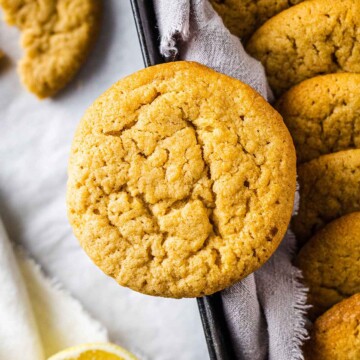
x: 37, y: 316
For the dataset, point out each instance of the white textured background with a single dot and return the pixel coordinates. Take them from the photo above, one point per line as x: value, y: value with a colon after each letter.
x: 35, y: 138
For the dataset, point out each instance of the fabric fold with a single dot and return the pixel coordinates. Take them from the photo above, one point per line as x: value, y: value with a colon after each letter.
x: 202, y: 37
x: 18, y: 329
x: 241, y: 303
x: 37, y: 317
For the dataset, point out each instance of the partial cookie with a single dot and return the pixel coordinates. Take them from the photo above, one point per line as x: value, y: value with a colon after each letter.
x: 323, y: 114
x: 56, y: 36
x: 243, y: 17
x: 329, y: 188
x: 336, y: 334
x: 312, y: 38
x: 178, y: 187
x: 330, y: 262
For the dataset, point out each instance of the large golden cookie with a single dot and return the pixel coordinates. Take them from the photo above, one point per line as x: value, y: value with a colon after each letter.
x: 323, y: 114
x: 329, y: 189
x: 330, y: 263
x: 312, y: 38
x: 56, y: 37
x: 243, y: 17
x: 181, y: 180
x: 336, y: 334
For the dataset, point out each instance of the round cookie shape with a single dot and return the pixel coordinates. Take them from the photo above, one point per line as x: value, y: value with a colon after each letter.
x: 181, y: 181
x: 243, y: 17
x: 56, y: 38
x: 323, y: 114
x: 312, y: 38
x: 329, y: 189
x: 330, y: 263
x: 336, y: 334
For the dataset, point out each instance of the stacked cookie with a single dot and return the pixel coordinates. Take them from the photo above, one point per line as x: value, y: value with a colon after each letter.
x: 311, y: 54
x: 335, y: 335
x: 312, y: 38
x: 243, y: 17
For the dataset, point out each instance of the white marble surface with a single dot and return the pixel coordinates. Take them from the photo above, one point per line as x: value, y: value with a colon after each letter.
x: 35, y: 139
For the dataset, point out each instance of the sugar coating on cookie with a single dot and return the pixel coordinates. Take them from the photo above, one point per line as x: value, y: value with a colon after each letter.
x: 243, y: 17
x: 181, y: 180
x: 323, y: 114
x: 312, y: 38
x: 330, y: 262
x: 56, y: 37
x: 329, y: 188
x: 336, y: 334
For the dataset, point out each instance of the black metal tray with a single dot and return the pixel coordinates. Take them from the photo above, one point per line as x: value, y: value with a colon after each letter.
x: 210, y: 307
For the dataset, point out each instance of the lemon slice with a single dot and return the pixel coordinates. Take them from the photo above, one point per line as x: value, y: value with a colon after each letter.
x: 95, y: 351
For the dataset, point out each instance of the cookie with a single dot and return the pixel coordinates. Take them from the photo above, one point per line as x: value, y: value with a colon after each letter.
x: 329, y: 188
x: 336, y: 334
x: 330, y: 263
x: 180, y: 188
x: 56, y: 37
x: 243, y: 17
x: 323, y: 114
x: 312, y: 38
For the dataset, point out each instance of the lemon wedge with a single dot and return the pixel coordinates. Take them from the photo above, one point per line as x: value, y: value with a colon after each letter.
x: 95, y: 351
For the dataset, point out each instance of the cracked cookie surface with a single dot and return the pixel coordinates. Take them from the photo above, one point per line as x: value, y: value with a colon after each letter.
x: 336, y: 334
x: 56, y: 37
x: 329, y: 189
x: 243, y: 17
x: 312, y: 38
x: 330, y: 262
x: 323, y: 114
x: 181, y: 180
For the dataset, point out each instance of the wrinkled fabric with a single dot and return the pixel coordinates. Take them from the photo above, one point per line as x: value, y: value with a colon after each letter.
x: 37, y: 317
x: 265, y: 313
x: 202, y: 37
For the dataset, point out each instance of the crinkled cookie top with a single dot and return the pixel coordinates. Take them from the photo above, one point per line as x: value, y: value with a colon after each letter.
x: 56, y: 36
x: 336, y: 334
x: 312, y: 38
x: 329, y: 188
x: 323, y: 114
x: 181, y: 180
x: 330, y: 262
x: 243, y: 17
